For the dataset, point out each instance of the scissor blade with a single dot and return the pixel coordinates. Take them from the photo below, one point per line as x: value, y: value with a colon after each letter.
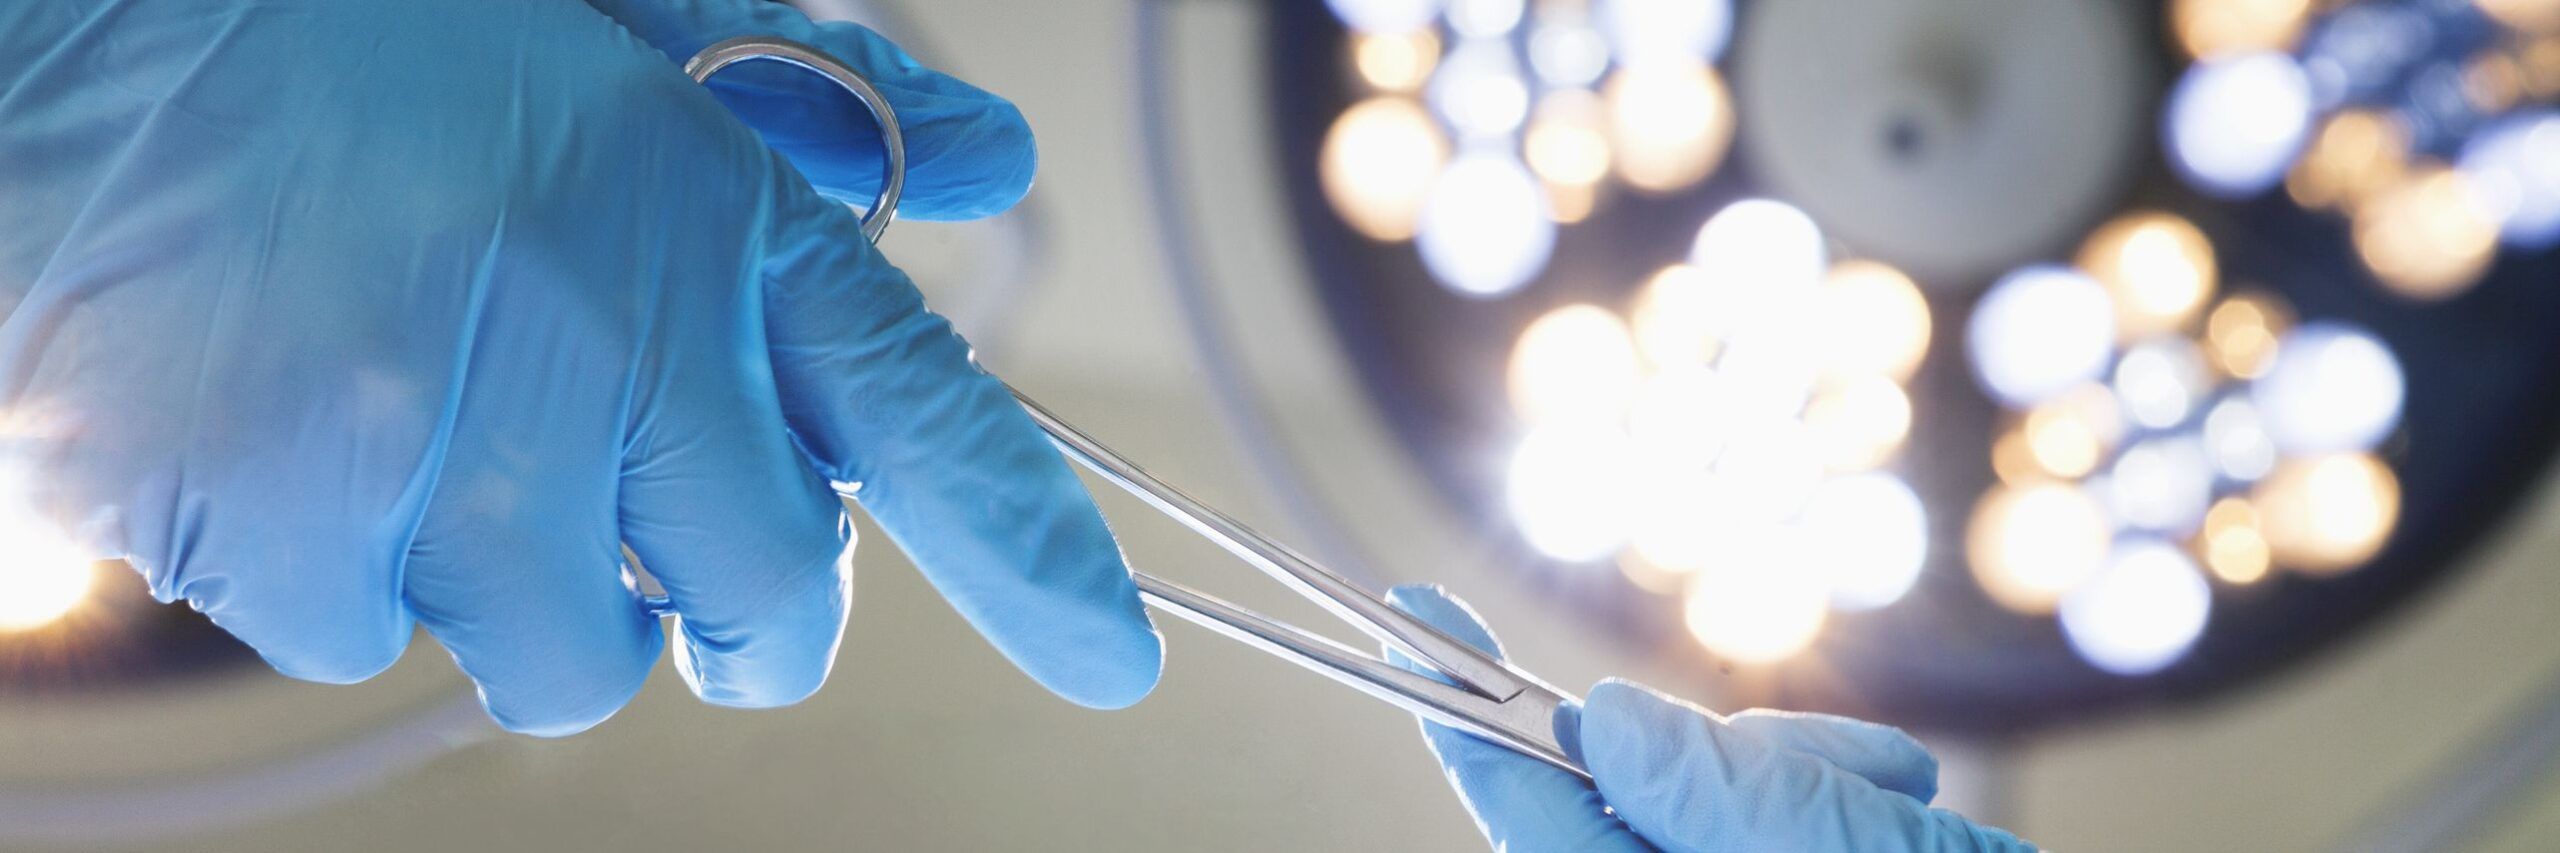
x: 1524, y: 723
x: 1343, y: 598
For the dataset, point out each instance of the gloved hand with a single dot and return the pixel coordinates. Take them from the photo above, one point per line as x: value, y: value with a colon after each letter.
x: 329, y: 316
x: 1681, y: 778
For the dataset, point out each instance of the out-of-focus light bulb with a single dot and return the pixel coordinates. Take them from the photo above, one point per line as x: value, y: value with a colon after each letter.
x: 2213, y: 27
x: 1682, y: 316
x: 1567, y: 53
x: 1385, y: 16
x: 1650, y: 577
x: 2161, y: 484
x: 2233, y: 546
x: 2235, y: 437
x: 2241, y: 334
x: 1678, y: 521
x: 2158, y: 267
x: 1760, y: 243
x: 2328, y: 513
x: 1568, y: 489
x: 1484, y: 18
x: 2069, y: 435
x: 42, y: 579
x: 2040, y: 331
x: 2031, y: 544
x: 1680, y: 419
x: 2356, y: 153
x: 2428, y: 237
x: 1379, y: 161
x: 2235, y: 122
x: 1396, y: 62
x: 1671, y: 124
x: 2530, y: 16
x: 1653, y: 32
x: 1479, y: 90
x: 1485, y: 230
x: 1775, y: 465
x: 1869, y: 535
x: 1568, y: 141
x: 1859, y: 425
x: 2333, y: 387
x: 1575, y: 363
x: 1876, y: 320
x: 2161, y: 381
x: 1758, y: 605
x: 2142, y: 613
x: 2515, y: 167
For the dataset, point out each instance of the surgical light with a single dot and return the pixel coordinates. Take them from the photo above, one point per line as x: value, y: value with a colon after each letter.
x: 1568, y: 489
x: 1479, y: 91
x: 1379, y: 162
x: 1484, y: 228
x: 2141, y: 613
x: 1576, y: 362
x: 2329, y: 513
x: 1670, y: 123
x: 2515, y: 167
x: 2158, y: 267
x: 1654, y: 32
x: 2161, y: 485
x: 1869, y: 535
x: 2039, y: 331
x: 2161, y: 381
x: 1385, y: 16
x: 2235, y: 122
x: 2031, y: 544
x: 2429, y: 236
x: 1876, y: 321
x: 1760, y: 244
x: 1760, y: 605
x: 2333, y: 387
x: 1396, y: 62
x: 42, y: 579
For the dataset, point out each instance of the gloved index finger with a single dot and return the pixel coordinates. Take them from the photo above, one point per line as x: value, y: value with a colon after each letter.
x: 1519, y: 802
x: 885, y: 400
x: 1878, y: 753
x: 970, y: 154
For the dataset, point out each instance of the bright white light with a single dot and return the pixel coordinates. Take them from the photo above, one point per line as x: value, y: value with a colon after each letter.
x: 1670, y: 124
x: 1682, y: 317
x: 1654, y: 31
x: 1378, y: 163
x: 1568, y: 488
x: 2038, y: 332
x: 1570, y: 55
x: 2333, y: 387
x: 1484, y: 18
x: 2515, y: 165
x: 1760, y: 243
x: 2142, y: 613
x: 2235, y: 123
x: 1680, y: 419
x: 1479, y: 91
x: 1772, y: 365
x: 43, y: 577
x: 1485, y: 231
x: 1859, y: 424
x: 2160, y: 381
x: 1875, y: 320
x: 1385, y: 16
x: 2162, y: 484
x: 1759, y: 603
x: 2236, y: 437
x: 1573, y: 363
x: 1869, y: 534
x: 1681, y: 519
x: 1775, y: 465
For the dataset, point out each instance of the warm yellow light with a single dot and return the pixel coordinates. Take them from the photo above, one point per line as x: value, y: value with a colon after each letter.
x: 42, y: 577
x: 2234, y: 548
x: 2210, y: 27
x: 1876, y: 321
x: 1568, y: 203
x: 1680, y: 419
x: 1568, y: 141
x: 1396, y: 62
x: 1681, y: 316
x: 2012, y: 459
x: 2069, y: 435
x: 2030, y: 545
x: 2240, y: 335
x: 2494, y: 82
x: 1577, y: 362
x: 2428, y: 237
x: 2157, y: 266
x: 1670, y: 123
x: 1649, y: 577
x: 2531, y: 16
x: 1859, y: 425
x: 2328, y: 513
x: 2540, y: 61
x: 1379, y: 161
x: 1757, y: 607
x: 2355, y: 154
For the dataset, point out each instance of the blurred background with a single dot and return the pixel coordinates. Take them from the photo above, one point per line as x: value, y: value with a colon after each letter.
x: 2148, y: 404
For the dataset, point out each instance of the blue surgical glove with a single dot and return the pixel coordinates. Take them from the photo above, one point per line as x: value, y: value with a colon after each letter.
x: 331, y: 317
x: 1670, y: 776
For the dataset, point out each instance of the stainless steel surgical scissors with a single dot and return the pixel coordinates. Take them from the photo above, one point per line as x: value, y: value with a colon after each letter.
x: 1483, y: 696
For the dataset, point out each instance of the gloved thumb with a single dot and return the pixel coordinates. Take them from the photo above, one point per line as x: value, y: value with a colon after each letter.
x: 969, y: 153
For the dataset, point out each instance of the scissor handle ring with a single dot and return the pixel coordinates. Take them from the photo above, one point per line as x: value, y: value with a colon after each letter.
x: 893, y: 173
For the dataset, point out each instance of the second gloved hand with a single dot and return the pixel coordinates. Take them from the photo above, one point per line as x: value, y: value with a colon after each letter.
x: 334, y: 317
x: 1669, y: 776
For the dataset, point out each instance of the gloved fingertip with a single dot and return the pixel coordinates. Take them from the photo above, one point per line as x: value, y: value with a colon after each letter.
x: 569, y: 709
x: 1112, y: 675
x: 1435, y: 606
x: 1884, y: 755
